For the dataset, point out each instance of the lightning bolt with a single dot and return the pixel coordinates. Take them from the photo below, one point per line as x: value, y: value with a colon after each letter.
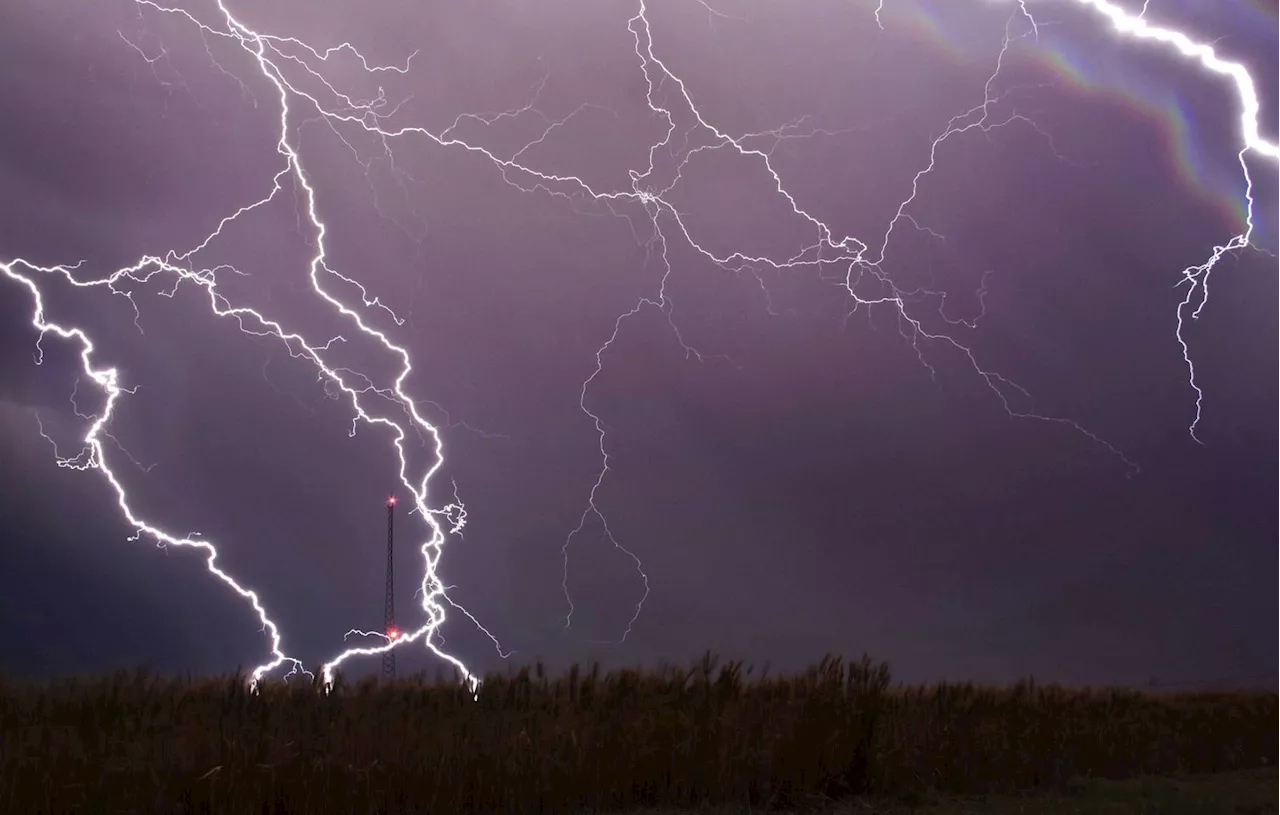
x: 860, y: 267
x: 1196, y: 277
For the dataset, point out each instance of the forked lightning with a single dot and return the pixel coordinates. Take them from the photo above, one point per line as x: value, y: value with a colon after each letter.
x: 649, y: 193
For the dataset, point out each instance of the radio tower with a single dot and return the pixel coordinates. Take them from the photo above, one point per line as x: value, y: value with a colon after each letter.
x: 389, y: 658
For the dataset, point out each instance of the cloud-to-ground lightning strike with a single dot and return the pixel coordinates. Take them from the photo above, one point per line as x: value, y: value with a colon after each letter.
x: 1196, y: 278
x: 857, y: 261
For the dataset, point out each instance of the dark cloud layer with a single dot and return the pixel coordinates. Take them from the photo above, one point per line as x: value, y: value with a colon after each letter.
x: 818, y: 490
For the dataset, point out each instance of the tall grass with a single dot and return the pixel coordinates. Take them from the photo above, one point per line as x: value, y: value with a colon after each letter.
x: 530, y: 743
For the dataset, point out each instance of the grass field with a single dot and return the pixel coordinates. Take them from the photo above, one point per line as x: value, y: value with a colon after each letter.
x: 1244, y: 792
x: 670, y: 740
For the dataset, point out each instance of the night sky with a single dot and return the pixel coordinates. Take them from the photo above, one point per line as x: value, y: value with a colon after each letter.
x: 796, y: 476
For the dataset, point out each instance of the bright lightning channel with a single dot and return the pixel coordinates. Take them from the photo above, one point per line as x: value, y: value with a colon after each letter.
x: 1196, y: 278
x: 270, y: 52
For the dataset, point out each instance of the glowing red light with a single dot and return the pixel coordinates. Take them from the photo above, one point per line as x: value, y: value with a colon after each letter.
x: 391, y: 501
x: 393, y: 633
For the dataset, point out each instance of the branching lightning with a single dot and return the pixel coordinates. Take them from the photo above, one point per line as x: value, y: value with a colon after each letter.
x: 1196, y: 278
x: 860, y: 265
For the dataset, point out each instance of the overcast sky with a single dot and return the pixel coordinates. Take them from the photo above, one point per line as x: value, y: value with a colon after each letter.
x: 794, y: 475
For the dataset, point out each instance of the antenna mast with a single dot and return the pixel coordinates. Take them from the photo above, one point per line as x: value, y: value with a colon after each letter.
x: 389, y: 658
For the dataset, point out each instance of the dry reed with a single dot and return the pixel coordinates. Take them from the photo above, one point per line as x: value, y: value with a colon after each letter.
x: 586, y: 740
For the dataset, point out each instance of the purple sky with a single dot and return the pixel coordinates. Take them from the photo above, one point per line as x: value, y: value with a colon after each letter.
x: 809, y: 478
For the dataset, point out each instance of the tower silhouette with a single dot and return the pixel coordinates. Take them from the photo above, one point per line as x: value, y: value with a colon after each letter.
x: 389, y: 658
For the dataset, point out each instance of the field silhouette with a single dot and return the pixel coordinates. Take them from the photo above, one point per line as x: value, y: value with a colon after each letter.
x: 702, y: 736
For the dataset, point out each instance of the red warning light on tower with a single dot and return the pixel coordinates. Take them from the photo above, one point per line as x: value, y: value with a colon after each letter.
x: 391, y: 501
x: 393, y: 633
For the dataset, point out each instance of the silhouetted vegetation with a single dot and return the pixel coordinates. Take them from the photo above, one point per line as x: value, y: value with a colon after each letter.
x: 587, y: 741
